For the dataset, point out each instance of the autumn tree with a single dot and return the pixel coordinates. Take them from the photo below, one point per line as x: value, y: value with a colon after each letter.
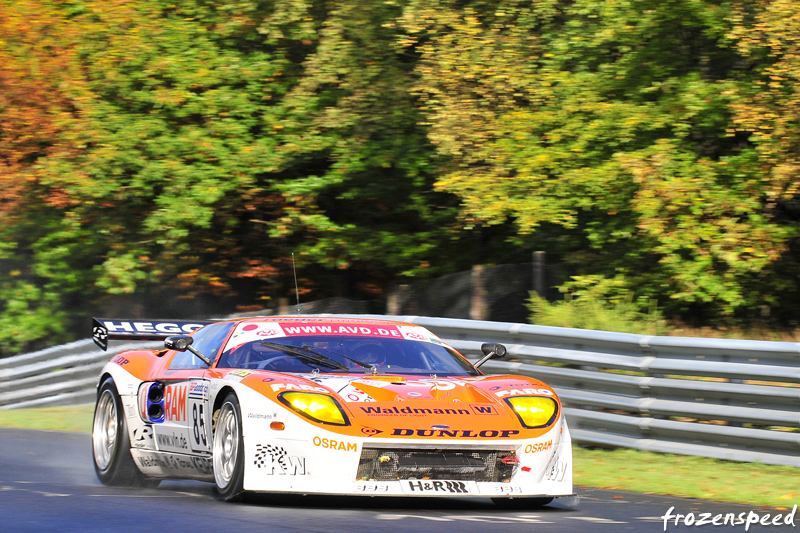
x: 198, y: 146
x: 612, y: 120
x: 41, y: 86
x: 157, y: 155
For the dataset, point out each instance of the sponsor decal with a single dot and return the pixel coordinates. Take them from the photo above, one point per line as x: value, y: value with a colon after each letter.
x: 370, y: 432
x: 238, y: 375
x: 105, y: 329
x: 175, y: 403
x: 332, y: 327
x: 371, y: 487
x: 130, y: 406
x: 203, y: 465
x: 392, y: 411
x: 251, y: 331
x: 356, y: 397
x: 176, y: 462
x: 293, y: 386
x: 539, y: 447
x: 451, y: 487
x: 198, y: 390
x: 437, y: 385
x: 506, y: 385
x: 152, y: 461
x: 150, y: 327
x: 457, y: 433
x: 100, y: 336
x: 354, y: 394
x: 556, y: 469
x: 523, y: 392
x: 430, y: 384
x: 482, y: 409
x: 280, y: 462
x: 414, y: 333
x: 143, y: 437
x: 262, y: 416
x: 332, y: 444
x: 120, y: 360
x: 340, y: 330
x: 506, y: 489
x: 172, y: 441
x: 267, y: 333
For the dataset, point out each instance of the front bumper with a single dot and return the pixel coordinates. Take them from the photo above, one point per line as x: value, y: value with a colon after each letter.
x: 334, y: 464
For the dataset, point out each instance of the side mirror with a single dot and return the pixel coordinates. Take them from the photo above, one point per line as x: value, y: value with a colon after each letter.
x: 178, y: 342
x: 497, y: 350
x: 491, y: 350
x: 182, y: 343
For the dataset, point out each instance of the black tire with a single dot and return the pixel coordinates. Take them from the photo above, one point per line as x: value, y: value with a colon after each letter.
x: 521, y: 503
x: 111, y: 445
x: 228, y: 451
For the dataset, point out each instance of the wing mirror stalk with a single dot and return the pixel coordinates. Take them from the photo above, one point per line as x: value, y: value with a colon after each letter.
x: 182, y: 343
x: 491, y: 350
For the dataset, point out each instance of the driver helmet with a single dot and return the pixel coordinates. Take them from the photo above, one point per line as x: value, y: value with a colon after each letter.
x: 371, y: 354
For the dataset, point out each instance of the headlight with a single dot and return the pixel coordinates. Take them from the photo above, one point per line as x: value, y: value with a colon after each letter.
x: 315, y: 407
x: 534, y: 411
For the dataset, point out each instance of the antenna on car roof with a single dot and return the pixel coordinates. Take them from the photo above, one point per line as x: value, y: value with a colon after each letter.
x: 296, y: 289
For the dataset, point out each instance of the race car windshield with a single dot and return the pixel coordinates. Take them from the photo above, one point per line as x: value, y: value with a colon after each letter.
x: 352, y: 355
x: 307, y: 353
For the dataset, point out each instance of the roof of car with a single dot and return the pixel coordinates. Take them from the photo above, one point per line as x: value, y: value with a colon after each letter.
x: 284, y: 319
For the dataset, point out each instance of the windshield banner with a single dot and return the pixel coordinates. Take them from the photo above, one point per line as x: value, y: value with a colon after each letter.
x: 251, y: 331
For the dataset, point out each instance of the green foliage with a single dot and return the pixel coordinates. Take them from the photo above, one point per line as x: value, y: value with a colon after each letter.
x: 614, y: 121
x: 152, y: 149
x: 30, y: 316
x: 595, y: 302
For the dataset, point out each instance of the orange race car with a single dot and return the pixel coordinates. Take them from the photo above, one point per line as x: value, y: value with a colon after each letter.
x: 324, y: 405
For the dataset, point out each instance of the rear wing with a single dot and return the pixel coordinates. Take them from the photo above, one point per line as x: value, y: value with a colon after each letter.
x: 135, y: 329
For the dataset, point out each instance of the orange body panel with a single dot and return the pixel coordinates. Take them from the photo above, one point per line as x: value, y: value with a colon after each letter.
x: 141, y: 364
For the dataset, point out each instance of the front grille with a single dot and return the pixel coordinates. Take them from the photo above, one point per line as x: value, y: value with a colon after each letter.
x: 459, y: 465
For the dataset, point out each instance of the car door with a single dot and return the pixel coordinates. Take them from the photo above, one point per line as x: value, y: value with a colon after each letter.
x: 187, y: 418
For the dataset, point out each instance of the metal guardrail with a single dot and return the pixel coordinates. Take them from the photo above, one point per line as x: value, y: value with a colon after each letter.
x: 728, y: 399
x: 61, y: 375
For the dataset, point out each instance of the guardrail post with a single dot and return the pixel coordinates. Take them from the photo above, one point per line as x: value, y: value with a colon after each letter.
x: 396, y: 300
x: 479, y: 308
x: 538, y: 273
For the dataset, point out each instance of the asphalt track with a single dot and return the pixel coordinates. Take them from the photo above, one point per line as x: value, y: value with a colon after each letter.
x: 47, y: 483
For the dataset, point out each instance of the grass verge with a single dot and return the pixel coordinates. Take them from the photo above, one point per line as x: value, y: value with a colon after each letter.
x: 76, y: 419
x: 675, y: 475
x: 687, y: 476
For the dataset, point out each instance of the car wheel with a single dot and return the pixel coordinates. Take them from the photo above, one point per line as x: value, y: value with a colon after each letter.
x: 521, y: 503
x: 228, y: 451
x: 111, y: 445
